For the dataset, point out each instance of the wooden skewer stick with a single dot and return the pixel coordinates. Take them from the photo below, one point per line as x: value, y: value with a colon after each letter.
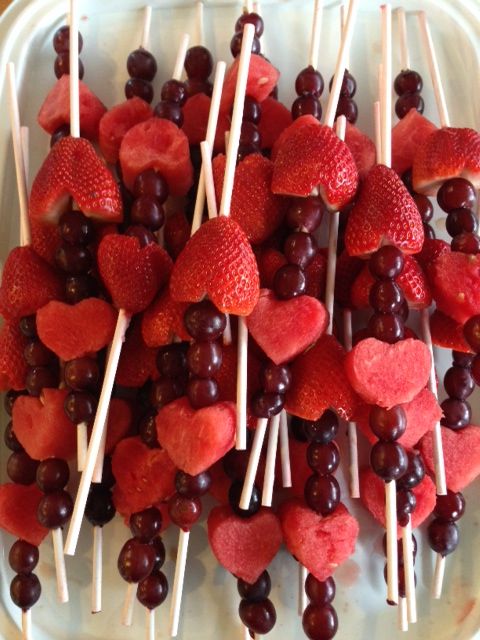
x: 128, y: 605
x: 409, y: 569
x: 62, y: 586
x: 208, y: 177
x: 269, y: 478
x: 438, y: 576
x: 434, y: 70
x: 150, y: 624
x: 253, y: 461
x: 285, y: 451
x: 178, y: 581
x: 302, y: 595
x: 180, y: 60
x: 74, y: 82
x: 315, y: 36
x: 352, y: 427
x: 27, y: 624
x: 199, y: 7
x: 402, y: 33
x: 343, y: 21
x: 97, y: 569
x: 402, y: 615
x: 147, y: 23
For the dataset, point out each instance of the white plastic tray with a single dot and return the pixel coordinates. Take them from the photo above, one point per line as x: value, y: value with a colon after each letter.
x: 111, y: 29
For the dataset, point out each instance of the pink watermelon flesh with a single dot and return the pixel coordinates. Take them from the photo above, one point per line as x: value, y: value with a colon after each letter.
x: 244, y: 546
x: 117, y: 121
x: 388, y: 374
x: 407, y: 136
x: 372, y: 493
x: 42, y: 427
x: 195, y: 119
x: 320, y: 544
x: 461, y: 452
x: 193, y: 439
x: 157, y: 144
x: 262, y: 78
x: 118, y: 423
x: 275, y: 118
x: 55, y: 110
x: 285, y: 328
x: 362, y: 148
x: 456, y: 285
x: 18, y: 512
x: 423, y: 412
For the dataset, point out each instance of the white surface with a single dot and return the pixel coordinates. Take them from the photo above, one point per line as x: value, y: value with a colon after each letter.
x: 111, y: 29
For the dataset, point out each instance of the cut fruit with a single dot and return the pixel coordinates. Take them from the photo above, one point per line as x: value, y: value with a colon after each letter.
x: 262, y: 78
x: 18, y: 512
x: 195, y: 120
x: 117, y: 121
x: 362, y: 148
x: 408, y: 135
x: 448, y: 333
x: 275, y: 119
x: 455, y: 280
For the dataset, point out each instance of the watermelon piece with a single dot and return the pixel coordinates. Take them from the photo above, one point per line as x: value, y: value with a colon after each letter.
x: 42, y: 427
x: 176, y: 233
x: 55, y: 110
x: 138, y: 362
x: 456, y: 285
x: 422, y: 414
x: 117, y: 121
x: 220, y: 485
x: 316, y: 276
x: 262, y: 78
x: 362, y: 148
x: 388, y: 374
x: 119, y: 422
x: 447, y: 333
x: 244, y: 546
x: 286, y: 328
x: 461, y: 452
x: 157, y: 144
x: 195, y: 120
x: 74, y: 331
x: 320, y: 544
x: 408, y: 135
x: 431, y: 250
x: 196, y: 439
x: 299, y: 467
x: 18, y: 512
x: 275, y: 119
x: 372, y: 494
x: 143, y: 476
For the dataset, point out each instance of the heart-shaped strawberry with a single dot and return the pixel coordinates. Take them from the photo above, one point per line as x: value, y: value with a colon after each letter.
x: 461, y: 452
x: 244, y: 546
x: 456, y: 285
x: 28, y: 283
x: 217, y: 262
x: 137, y: 362
x: 42, y: 426
x: 13, y: 366
x: 384, y: 213
x: 196, y: 439
x: 73, y: 331
x: 132, y: 274
x: 319, y: 382
x: 422, y: 414
x: 447, y: 153
x: 372, y: 493
x: 143, y: 475
x: 18, y: 512
x: 310, y: 155
x: 285, y: 328
x: 163, y: 320
x: 448, y: 333
x: 388, y: 374
x: 256, y: 209
x: 320, y: 544
x: 73, y: 169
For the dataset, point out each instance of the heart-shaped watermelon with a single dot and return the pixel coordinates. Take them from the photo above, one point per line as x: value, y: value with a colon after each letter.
x: 18, y: 512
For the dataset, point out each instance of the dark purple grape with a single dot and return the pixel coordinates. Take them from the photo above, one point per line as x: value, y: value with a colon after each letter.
x: 475, y: 373
x: 11, y: 440
x: 160, y: 553
x: 388, y: 460
x: 236, y: 44
x: 456, y: 193
x: 141, y: 64
x: 202, y: 392
x: 204, y: 359
x: 194, y: 86
x: 305, y: 214
x: 323, y: 458
x: 429, y: 232
x: 192, y: 486
x: 198, y: 63
x: 309, y: 82
x: 61, y: 66
x: 347, y: 107
x: 23, y: 557
x: 21, y: 468
x: 257, y: 615
x: 80, y: 406
x: 275, y: 378
x: 235, y: 464
x: 323, y: 430
x: 234, y: 500
x: 456, y: 413
x: 307, y: 105
x: 39, y: 378
x: 58, y: 134
x: 76, y: 228
x: 250, y: 135
x: 55, y: 509
x: 82, y: 374
x: 170, y: 111
x: 153, y: 590
x: 424, y: 206
x: 320, y: 622
x: 174, y: 91
x: 257, y: 590
x: 147, y: 211
x: 147, y: 429
x: 387, y: 327
x: 388, y: 424
x: 443, y: 537
x: 99, y: 509
x: 459, y: 383
x: 400, y: 547
x: 266, y: 405
x: 172, y: 360
x: 466, y: 242
x: 300, y: 248
x: 408, y: 81
x: 36, y: 354
x: 320, y: 593
x: 165, y: 391
x: 450, y: 507
x: 77, y: 288
x: 322, y: 494
x: 245, y: 150
x: 151, y: 183
x: 52, y: 474
x: 462, y: 359
x: 461, y: 220
x: 61, y: 40
x: 25, y: 590
x: 407, y: 102
x: 74, y: 260
x: 142, y: 234
x: 28, y: 326
x: 289, y: 282
x: 406, y: 504
x: 184, y: 512
x: 386, y: 263
x: 139, y: 88
x: 415, y: 472
x: 386, y: 296
x: 349, y: 85
x: 471, y: 332
x: 252, y: 110
x: 204, y: 321
x: 250, y: 18
x: 146, y: 525
x: 9, y: 399
x: 136, y: 560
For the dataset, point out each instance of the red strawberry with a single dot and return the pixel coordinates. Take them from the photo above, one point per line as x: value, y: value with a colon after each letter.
x: 269, y: 262
x: 362, y: 148
x: 28, y: 283
x: 319, y: 382
x: 262, y: 78
x: 132, y: 274
x: 312, y: 156
x: 157, y: 144
x: 195, y: 119
x: 412, y: 280
x: 163, y: 320
x: 73, y: 169
x: 275, y: 119
x: 299, y: 123
x: 45, y: 239
x: 13, y: 367
x: 73, y: 331
x: 217, y: 261
x: 408, y: 135
x: 447, y: 153
x: 384, y: 213
x: 348, y: 268
x: 117, y: 121
x: 316, y: 276
x: 253, y: 206
x: 137, y: 362
x: 455, y: 280
x: 431, y: 250
x: 447, y: 333
x: 176, y: 233
x: 55, y: 110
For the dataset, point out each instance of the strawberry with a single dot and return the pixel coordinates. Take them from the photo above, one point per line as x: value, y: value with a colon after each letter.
x: 176, y: 233
x: 408, y: 135
x: 412, y: 280
x: 218, y: 261
x: 73, y: 169
x: 269, y: 262
x: 348, y: 268
x: 117, y: 121
x: 13, y: 367
x: 362, y: 148
x: 316, y: 276
x: 312, y: 156
x: 137, y: 362
x: 28, y: 283
x: 253, y: 206
x: 447, y: 333
x: 447, y: 153
x: 299, y: 123
x: 384, y: 213
x: 431, y: 250
x: 132, y: 274
x: 163, y: 320
x: 55, y: 110
x: 319, y: 382
x: 45, y: 239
